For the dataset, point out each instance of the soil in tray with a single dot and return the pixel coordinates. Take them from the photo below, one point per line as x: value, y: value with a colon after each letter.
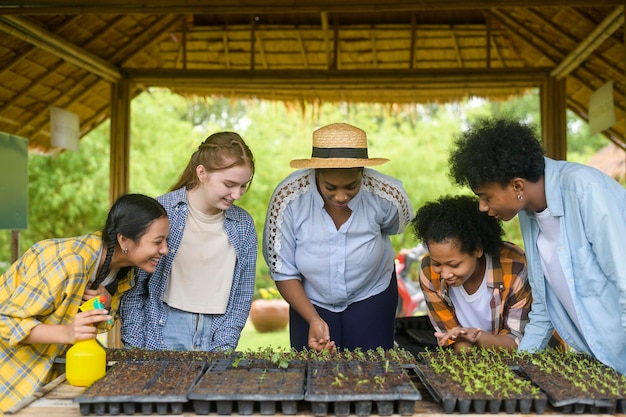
x: 363, y: 386
x: 477, y: 379
x: 141, y: 383
x: 255, y: 384
x: 359, y: 380
x: 453, y: 395
x: 575, y: 382
x: 223, y: 388
x: 571, y: 382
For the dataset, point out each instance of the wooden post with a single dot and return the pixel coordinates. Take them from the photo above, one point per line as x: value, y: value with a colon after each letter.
x: 15, y: 245
x: 119, y: 164
x: 553, y: 117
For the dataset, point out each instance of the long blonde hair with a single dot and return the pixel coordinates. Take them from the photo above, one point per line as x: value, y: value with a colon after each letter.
x: 219, y: 151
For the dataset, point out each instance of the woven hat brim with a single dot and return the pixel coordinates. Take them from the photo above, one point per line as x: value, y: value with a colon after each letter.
x: 336, y: 162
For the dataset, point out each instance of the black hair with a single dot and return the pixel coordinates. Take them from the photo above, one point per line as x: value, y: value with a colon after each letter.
x: 497, y: 150
x: 130, y: 216
x: 458, y: 218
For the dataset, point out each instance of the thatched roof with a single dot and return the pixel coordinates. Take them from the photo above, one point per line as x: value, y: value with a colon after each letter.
x: 68, y: 54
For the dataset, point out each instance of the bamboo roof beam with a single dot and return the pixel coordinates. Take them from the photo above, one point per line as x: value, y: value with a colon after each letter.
x: 160, y: 28
x: 32, y: 48
x: 610, y: 67
x: 252, y: 41
x: 33, y: 7
x: 79, y: 91
x: 226, y: 49
x: 496, y: 50
x: 76, y: 93
x: 57, y: 46
x: 374, y: 53
x: 605, y: 29
x: 336, y: 65
x: 526, y: 35
x: 413, y: 41
x: 33, y: 83
x: 51, y: 70
x: 259, y: 42
x: 488, y: 42
x: 324, y: 19
x: 521, y: 32
x: 323, y: 78
x: 457, y: 50
x: 305, y: 60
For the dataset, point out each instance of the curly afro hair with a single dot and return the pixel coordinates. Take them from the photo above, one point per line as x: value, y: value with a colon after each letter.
x: 458, y: 218
x: 497, y: 150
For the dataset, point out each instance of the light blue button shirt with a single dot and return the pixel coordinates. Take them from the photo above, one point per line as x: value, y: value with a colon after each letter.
x: 336, y: 267
x: 591, y: 208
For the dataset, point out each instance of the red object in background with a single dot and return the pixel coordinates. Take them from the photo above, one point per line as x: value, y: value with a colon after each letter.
x: 410, y: 296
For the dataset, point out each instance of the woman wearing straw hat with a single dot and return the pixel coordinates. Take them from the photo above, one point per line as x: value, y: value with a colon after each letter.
x: 326, y: 242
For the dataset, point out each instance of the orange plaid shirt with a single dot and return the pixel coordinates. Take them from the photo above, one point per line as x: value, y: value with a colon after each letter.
x: 508, y: 282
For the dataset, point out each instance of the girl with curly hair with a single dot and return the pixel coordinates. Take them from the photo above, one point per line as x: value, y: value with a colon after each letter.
x: 475, y: 284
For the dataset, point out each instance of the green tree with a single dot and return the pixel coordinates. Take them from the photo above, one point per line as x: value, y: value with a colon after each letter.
x: 68, y: 192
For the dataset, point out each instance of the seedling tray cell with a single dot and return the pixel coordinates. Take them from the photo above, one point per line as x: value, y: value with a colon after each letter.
x: 359, y: 386
x: 248, y: 388
x: 564, y: 394
x: 439, y: 387
x: 149, y: 386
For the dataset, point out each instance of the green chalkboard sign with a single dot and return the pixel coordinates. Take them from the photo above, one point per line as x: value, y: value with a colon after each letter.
x: 13, y: 182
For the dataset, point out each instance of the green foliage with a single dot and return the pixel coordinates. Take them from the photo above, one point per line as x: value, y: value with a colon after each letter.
x: 69, y: 192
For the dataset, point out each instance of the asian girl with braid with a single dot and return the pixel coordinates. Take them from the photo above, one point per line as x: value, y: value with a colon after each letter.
x: 199, y: 297
x: 41, y: 292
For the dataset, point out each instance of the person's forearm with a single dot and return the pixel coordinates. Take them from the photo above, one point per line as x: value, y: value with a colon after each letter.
x: 48, y: 334
x: 293, y: 292
x: 488, y: 340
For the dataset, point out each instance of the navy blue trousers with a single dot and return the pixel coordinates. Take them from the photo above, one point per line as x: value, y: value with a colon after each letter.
x: 366, y: 324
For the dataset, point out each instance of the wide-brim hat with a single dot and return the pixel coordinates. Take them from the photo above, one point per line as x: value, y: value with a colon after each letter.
x: 338, y: 145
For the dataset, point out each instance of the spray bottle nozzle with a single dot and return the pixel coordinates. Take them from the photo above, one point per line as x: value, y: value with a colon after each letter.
x: 94, y: 303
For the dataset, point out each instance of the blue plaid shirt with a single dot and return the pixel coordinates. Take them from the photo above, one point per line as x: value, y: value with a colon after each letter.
x: 142, y: 311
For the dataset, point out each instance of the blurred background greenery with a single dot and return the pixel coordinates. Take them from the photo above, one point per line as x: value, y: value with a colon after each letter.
x: 253, y: 340
x: 68, y: 192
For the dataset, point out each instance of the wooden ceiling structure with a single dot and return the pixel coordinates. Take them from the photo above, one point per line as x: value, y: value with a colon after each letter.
x: 93, y: 57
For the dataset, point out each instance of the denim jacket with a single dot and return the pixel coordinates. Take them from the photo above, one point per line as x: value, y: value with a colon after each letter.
x: 143, y: 312
x: 591, y: 208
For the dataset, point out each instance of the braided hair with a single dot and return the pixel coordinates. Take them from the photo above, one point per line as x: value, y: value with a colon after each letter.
x: 130, y: 216
x: 219, y: 151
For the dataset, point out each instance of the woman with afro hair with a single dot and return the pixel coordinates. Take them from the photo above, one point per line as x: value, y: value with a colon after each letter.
x: 475, y: 284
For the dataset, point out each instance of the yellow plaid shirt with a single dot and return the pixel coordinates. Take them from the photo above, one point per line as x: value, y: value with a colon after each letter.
x: 508, y: 282
x: 46, y: 286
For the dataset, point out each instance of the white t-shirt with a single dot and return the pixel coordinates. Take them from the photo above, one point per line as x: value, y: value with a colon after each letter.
x: 473, y: 310
x: 203, y: 268
x: 549, y: 230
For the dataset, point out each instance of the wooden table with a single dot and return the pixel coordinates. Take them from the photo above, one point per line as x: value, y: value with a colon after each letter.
x: 57, y: 402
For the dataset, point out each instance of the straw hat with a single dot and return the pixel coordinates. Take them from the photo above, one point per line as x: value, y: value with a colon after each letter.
x: 338, y: 145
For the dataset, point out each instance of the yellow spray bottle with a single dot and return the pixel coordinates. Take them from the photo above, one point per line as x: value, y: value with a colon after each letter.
x: 86, y: 361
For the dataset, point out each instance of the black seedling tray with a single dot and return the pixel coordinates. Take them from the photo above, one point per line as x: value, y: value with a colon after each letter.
x: 361, y: 391
x: 573, y: 404
x: 154, y: 385
x: 222, y: 387
x: 464, y: 405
